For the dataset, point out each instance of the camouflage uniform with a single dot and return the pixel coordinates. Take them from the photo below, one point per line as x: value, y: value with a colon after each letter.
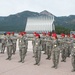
x: 49, y: 47
x: 37, y: 53
x: 44, y: 44
x: 69, y: 44
x: 3, y: 38
x: 33, y: 43
x: 22, y: 48
x: 1, y: 45
x: 64, y: 48
x: 9, y: 47
x: 14, y: 40
x: 26, y: 40
x: 73, y: 56
x: 55, y: 53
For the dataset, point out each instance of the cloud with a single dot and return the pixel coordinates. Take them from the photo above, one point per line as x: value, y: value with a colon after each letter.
x: 56, y: 7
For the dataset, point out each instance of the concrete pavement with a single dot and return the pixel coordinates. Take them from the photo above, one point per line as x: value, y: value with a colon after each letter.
x: 13, y: 67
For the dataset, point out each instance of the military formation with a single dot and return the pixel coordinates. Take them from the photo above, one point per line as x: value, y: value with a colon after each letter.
x: 49, y: 43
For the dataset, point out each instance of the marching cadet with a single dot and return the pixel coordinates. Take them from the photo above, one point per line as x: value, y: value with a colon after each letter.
x: 22, y: 47
x: 14, y: 40
x: 55, y: 51
x: 49, y: 45
x: 69, y: 39
x: 63, y: 48
x: 73, y: 54
x: 44, y: 42
x: 33, y: 43
x: 3, y: 43
x: 37, y: 49
x: 9, y: 46
x: 26, y: 39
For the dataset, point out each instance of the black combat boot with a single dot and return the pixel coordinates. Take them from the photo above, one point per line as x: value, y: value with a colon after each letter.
x: 73, y: 70
x: 53, y: 66
x: 10, y: 58
x: 35, y: 64
x: 20, y: 60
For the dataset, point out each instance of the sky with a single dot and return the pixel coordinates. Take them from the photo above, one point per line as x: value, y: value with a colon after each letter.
x: 56, y: 7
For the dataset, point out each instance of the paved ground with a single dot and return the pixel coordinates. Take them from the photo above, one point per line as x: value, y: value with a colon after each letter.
x: 14, y: 68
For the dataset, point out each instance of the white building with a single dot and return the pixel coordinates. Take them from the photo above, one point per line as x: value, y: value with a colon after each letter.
x: 40, y: 24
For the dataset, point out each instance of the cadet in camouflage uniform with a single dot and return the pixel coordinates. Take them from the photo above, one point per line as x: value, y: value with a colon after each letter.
x: 22, y: 47
x: 37, y: 50
x: 44, y: 42
x: 73, y: 54
x: 3, y: 38
x: 1, y: 44
x: 64, y: 48
x: 14, y: 40
x: 9, y: 46
x: 33, y: 43
x: 49, y: 45
x: 69, y: 39
x: 26, y: 39
x: 55, y: 51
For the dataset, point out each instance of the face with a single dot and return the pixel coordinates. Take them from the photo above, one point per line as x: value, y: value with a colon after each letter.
x: 11, y: 34
x: 37, y: 37
x: 8, y: 35
x: 53, y: 37
x: 62, y: 36
x: 20, y: 36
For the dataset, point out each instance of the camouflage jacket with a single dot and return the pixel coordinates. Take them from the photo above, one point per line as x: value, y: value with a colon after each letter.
x: 14, y: 39
x: 8, y: 41
x: 37, y: 44
x: 22, y: 42
x: 73, y: 48
x: 56, y: 45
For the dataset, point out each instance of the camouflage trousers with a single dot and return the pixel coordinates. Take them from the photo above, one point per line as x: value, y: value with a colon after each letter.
x: 55, y: 57
x: 73, y: 62
x: 37, y: 55
x: 68, y: 51
x: 64, y: 54
x: 49, y: 50
x: 44, y: 48
x: 14, y: 48
x: 33, y: 49
x: 3, y: 48
x: 22, y: 53
x: 9, y: 51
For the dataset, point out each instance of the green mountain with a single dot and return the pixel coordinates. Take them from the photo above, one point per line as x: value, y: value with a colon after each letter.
x: 66, y: 21
x: 17, y: 22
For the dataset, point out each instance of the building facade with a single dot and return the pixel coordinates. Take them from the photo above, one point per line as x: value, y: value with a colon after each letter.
x: 40, y: 24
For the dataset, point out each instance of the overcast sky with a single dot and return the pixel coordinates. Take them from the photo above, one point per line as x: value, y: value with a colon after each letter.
x: 56, y: 7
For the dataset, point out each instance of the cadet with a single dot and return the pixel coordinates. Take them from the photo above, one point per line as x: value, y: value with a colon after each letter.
x: 14, y: 40
x: 33, y: 43
x: 69, y: 39
x: 64, y: 48
x: 49, y: 45
x: 44, y: 42
x: 37, y: 50
x: 22, y: 47
x: 73, y: 54
x: 55, y: 51
x: 3, y: 38
x: 26, y: 39
x: 9, y: 46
